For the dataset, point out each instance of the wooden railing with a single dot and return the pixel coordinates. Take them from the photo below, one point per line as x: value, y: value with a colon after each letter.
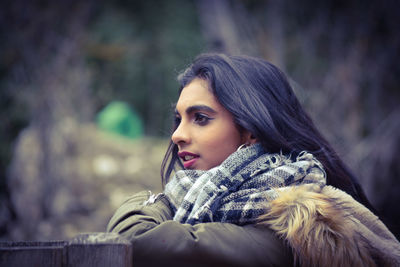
x: 89, y: 250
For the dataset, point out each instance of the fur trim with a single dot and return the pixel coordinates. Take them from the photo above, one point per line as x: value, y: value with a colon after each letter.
x: 326, y: 227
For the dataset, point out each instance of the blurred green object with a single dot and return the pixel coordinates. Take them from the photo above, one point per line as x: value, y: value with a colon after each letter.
x: 117, y: 117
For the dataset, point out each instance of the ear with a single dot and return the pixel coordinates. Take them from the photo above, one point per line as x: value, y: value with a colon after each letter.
x: 248, y: 138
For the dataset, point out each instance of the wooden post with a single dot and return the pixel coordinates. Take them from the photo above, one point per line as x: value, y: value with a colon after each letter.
x: 100, y: 250
x: 85, y: 250
x: 16, y: 254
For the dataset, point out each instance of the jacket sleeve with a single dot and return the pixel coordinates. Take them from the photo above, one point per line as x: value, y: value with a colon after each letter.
x: 157, y: 240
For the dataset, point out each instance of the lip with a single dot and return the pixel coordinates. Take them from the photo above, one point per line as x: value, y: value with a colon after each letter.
x: 188, y: 163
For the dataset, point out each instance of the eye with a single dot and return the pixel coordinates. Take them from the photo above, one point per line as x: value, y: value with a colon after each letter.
x: 201, y: 119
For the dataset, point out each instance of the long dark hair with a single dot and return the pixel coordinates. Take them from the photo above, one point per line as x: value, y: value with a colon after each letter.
x: 261, y: 100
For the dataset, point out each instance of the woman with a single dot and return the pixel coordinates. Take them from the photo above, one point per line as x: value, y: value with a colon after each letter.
x: 259, y: 185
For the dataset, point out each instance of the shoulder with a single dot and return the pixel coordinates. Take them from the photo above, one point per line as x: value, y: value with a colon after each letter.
x: 325, y: 225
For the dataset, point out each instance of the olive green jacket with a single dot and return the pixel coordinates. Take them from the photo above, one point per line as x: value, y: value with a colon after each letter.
x: 320, y: 226
x: 157, y: 240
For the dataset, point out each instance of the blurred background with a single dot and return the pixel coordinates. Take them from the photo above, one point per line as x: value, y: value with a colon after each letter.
x: 86, y: 90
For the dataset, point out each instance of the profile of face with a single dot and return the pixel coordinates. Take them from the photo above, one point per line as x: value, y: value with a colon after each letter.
x: 206, y: 133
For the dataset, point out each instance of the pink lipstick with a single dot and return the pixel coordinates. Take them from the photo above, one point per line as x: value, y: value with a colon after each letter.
x: 188, y: 158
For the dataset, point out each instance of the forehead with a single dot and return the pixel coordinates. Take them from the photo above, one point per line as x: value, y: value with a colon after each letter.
x: 197, y: 93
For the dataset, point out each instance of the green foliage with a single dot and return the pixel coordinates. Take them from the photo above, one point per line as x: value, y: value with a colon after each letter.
x: 119, y: 118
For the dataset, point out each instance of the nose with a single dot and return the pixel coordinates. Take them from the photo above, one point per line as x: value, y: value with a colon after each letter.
x: 181, y: 135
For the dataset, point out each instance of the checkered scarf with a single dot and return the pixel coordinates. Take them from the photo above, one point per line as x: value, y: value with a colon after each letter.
x: 239, y: 190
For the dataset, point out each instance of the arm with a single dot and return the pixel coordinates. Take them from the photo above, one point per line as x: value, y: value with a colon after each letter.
x: 156, y: 239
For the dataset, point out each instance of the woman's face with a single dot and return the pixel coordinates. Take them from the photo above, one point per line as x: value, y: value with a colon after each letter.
x: 206, y: 134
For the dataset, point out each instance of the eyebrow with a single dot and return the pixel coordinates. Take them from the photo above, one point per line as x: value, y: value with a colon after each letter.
x: 194, y: 108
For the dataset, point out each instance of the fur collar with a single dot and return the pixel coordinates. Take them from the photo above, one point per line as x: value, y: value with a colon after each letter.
x: 327, y: 227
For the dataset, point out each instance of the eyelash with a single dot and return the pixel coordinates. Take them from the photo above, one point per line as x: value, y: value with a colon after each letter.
x: 199, y: 119
x: 177, y: 120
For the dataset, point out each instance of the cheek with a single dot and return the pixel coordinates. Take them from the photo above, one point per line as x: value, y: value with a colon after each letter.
x: 222, y: 144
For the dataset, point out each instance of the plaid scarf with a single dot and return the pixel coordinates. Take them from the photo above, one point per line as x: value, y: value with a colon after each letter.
x: 239, y: 190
